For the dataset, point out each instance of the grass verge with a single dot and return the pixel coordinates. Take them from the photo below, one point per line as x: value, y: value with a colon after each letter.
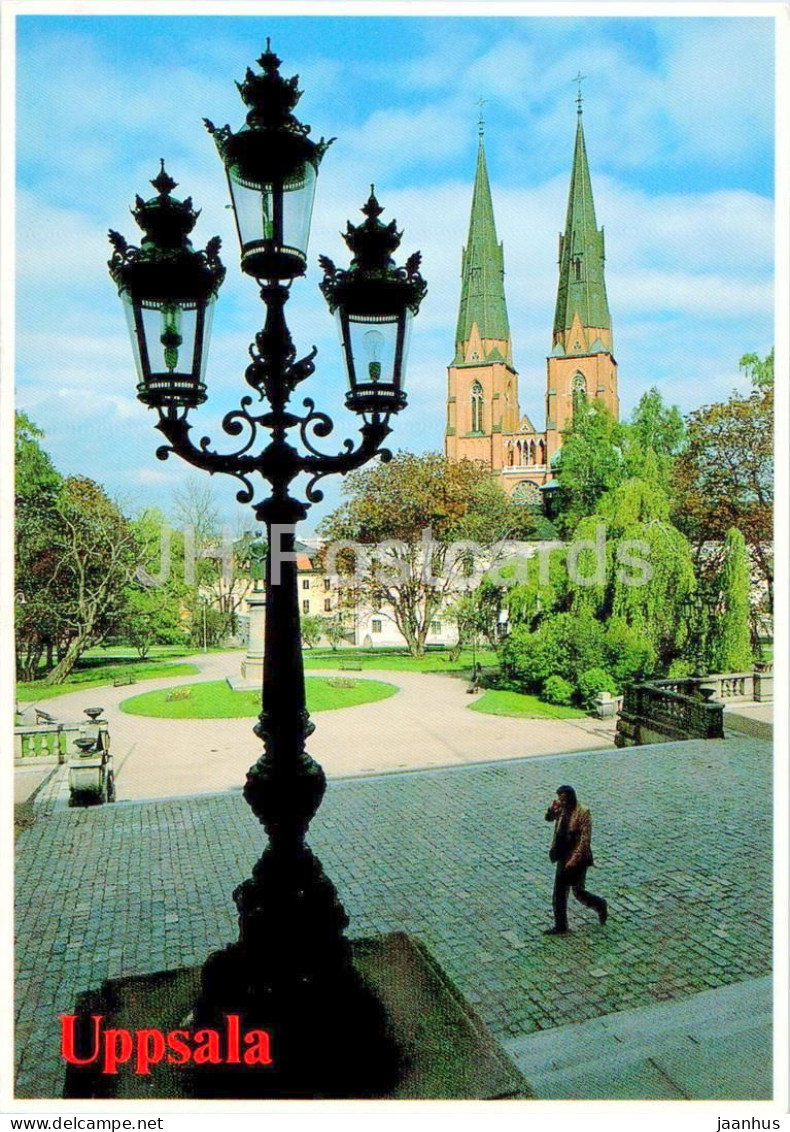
x: 392, y: 660
x: 97, y: 677
x: 216, y: 700
x: 522, y: 706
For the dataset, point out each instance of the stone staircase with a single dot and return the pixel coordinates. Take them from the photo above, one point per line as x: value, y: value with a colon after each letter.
x: 715, y: 1045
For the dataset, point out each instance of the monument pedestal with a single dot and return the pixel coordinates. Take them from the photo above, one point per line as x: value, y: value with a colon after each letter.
x: 251, y: 677
x: 447, y: 1052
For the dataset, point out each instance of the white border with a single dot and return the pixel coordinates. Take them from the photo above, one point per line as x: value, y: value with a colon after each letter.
x: 540, y: 1114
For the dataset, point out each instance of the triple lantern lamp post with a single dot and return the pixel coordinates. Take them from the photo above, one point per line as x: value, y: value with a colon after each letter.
x: 290, y: 970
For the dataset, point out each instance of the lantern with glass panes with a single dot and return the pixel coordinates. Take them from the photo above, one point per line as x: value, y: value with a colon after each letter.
x: 271, y: 166
x: 374, y: 302
x: 168, y: 289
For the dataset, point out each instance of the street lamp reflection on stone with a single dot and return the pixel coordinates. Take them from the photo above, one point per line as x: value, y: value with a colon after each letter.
x: 290, y: 972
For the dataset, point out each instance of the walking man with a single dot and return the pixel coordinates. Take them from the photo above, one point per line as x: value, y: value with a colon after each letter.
x: 570, y: 850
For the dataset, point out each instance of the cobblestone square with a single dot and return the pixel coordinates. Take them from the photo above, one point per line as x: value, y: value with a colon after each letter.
x: 458, y: 857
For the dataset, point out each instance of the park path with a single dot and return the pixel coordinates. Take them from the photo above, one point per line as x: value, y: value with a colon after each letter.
x: 425, y: 724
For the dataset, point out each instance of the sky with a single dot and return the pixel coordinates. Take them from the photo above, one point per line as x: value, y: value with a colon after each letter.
x: 679, y: 124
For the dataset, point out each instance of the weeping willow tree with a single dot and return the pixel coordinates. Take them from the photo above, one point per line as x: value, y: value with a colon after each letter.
x: 634, y: 567
x: 541, y: 589
x: 729, y: 642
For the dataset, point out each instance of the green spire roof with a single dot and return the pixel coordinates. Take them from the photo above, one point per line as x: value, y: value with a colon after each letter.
x: 482, y: 267
x: 581, y: 287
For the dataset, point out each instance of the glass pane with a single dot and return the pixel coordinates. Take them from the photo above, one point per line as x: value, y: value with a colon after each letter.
x: 298, y: 208
x: 373, y: 342
x: 254, y: 209
x: 170, y: 336
x: 128, y: 310
x: 407, y: 321
x: 208, y: 318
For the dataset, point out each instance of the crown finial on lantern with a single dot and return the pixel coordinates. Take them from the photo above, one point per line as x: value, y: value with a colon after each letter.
x: 163, y: 182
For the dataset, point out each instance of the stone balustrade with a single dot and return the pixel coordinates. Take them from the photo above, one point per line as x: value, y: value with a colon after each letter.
x: 727, y: 687
x: 691, y: 707
x: 53, y: 741
x: 667, y: 710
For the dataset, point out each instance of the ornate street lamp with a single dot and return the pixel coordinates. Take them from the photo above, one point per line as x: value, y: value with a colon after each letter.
x: 290, y: 971
x: 271, y: 166
x: 374, y: 302
x: 168, y: 290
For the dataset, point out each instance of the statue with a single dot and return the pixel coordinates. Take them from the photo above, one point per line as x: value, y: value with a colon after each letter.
x: 258, y: 549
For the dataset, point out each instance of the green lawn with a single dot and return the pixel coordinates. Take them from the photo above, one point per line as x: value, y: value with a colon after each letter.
x: 102, y: 654
x: 216, y: 700
x: 97, y: 676
x: 521, y: 706
x: 398, y: 660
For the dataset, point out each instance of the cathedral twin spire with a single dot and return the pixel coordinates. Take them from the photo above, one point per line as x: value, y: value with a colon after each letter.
x: 581, y: 290
x: 482, y: 275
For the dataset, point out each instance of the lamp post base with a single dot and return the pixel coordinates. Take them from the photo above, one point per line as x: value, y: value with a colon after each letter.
x: 443, y: 1049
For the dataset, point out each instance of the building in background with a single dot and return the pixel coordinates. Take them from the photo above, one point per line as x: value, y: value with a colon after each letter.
x: 484, y: 420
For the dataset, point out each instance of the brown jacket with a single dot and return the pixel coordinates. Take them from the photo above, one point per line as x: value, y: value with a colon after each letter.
x: 576, y: 852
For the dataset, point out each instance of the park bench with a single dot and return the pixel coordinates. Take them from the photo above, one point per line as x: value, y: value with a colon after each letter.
x: 43, y: 716
x: 119, y: 681
x: 350, y: 666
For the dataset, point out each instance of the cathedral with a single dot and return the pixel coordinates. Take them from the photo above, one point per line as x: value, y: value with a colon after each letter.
x: 484, y: 421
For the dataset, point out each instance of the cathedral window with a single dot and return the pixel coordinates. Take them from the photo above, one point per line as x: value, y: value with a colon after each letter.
x: 541, y: 453
x: 528, y: 494
x: 477, y: 407
x: 578, y: 391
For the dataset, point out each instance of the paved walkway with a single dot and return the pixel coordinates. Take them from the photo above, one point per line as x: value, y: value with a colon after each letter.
x: 455, y: 856
x: 426, y: 724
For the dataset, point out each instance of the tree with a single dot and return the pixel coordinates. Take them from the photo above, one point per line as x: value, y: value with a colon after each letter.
x: 476, y: 614
x: 408, y: 519
x: 542, y: 591
x: 655, y: 436
x: 647, y: 577
x: 35, y: 475
x: 590, y: 463
x: 334, y: 630
x: 312, y: 630
x: 725, y: 478
x: 618, y: 603
x: 39, y: 592
x: 97, y: 555
x: 564, y: 644
x: 218, y: 564
x: 154, y: 613
x: 729, y: 642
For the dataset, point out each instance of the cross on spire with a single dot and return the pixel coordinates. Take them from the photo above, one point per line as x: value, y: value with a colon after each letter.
x: 578, y: 79
x: 481, y: 125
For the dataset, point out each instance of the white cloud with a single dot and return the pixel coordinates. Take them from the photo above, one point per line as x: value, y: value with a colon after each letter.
x: 689, y: 270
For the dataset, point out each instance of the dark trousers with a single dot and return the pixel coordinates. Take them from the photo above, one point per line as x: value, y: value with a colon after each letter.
x: 564, y: 880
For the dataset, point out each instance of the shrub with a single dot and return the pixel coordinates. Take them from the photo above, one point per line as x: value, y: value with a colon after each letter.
x: 564, y: 644
x: 529, y: 658
x: 557, y: 691
x: 591, y: 682
x: 628, y: 655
